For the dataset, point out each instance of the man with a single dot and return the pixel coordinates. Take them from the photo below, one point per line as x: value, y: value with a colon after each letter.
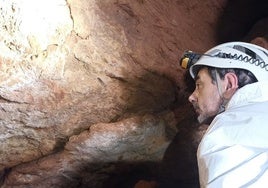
x: 232, y: 91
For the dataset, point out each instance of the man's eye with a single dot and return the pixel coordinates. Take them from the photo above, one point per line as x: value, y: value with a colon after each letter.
x: 198, y: 85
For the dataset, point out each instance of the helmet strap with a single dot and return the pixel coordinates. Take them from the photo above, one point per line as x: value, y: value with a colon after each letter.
x: 220, y: 91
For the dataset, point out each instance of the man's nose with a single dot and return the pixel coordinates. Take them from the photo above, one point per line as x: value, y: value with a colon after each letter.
x: 192, y: 98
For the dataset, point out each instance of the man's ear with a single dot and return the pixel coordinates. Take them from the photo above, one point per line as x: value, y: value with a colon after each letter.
x: 230, y: 84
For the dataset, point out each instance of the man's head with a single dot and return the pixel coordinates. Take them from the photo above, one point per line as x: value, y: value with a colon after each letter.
x: 220, y: 72
x: 214, y: 88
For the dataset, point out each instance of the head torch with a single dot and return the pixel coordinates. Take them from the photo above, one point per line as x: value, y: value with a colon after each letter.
x: 188, y: 59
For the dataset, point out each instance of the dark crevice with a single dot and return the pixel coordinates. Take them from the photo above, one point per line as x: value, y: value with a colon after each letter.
x: 238, y: 18
x: 3, y: 174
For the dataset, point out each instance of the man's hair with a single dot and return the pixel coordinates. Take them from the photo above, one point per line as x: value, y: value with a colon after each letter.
x: 244, y: 76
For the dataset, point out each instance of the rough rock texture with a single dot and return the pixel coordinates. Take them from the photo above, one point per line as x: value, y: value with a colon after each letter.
x: 91, y: 94
x: 91, y: 150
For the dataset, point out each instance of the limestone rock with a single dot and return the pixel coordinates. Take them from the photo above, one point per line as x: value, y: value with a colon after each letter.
x: 140, y: 138
x: 91, y: 87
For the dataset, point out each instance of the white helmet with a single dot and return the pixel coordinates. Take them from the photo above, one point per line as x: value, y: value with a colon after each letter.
x: 231, y: 55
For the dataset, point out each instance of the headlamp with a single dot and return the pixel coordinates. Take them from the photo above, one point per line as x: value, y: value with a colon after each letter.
x: 188, y: 59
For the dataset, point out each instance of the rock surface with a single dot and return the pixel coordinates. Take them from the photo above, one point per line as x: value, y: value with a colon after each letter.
x: 91, y: 90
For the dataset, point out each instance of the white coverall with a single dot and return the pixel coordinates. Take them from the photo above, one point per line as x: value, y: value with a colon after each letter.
x: 234, y: 151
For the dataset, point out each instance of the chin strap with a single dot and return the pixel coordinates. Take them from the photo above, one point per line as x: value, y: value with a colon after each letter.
x: 224, y: 101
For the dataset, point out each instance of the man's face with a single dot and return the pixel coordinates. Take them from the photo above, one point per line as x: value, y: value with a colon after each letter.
x: 205, y: 98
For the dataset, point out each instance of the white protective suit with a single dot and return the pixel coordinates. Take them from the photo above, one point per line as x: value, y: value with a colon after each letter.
x: 234, y: 151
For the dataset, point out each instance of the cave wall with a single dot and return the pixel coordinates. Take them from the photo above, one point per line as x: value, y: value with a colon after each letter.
x: 90, y: 89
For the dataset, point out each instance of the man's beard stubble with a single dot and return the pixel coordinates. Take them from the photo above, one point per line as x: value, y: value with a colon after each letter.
x: 207, y: 119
